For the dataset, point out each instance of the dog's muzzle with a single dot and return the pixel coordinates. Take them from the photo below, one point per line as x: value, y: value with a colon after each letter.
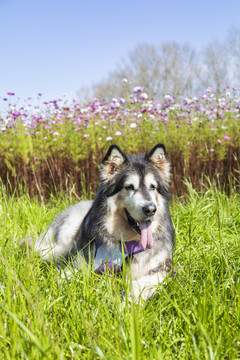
x: 143, y: 228
x: 133, y: 223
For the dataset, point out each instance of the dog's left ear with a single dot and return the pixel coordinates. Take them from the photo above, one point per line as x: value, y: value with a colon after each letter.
x: 158, y: 157
x: 112, y: 162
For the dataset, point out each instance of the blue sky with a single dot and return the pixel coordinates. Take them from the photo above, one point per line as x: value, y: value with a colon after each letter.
x: 57, y: 46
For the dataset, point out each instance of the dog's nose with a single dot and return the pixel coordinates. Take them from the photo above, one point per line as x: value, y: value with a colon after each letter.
x: 149, y: 209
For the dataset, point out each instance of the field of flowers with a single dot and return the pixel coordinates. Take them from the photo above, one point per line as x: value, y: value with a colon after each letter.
x: 48, y: 146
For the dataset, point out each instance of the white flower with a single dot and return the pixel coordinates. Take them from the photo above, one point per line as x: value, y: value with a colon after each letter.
x: 109, y: 138
x: 124, y: 81
x: 133, y: 125
x: 137, y: 89
x: 118, y: 133
x: 143, y: 96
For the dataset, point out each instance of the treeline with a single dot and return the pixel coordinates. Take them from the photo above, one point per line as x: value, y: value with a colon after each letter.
x: 172, y: 68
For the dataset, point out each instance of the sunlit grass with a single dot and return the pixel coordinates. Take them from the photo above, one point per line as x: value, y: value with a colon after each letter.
x: 194, y: 315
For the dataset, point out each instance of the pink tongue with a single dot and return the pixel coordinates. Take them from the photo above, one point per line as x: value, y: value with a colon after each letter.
x: 146, y: 234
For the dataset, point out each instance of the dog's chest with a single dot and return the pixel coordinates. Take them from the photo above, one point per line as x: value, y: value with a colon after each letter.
x: 112, y: 257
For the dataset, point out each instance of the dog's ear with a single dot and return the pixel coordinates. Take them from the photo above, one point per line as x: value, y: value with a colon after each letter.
x: 112, y: 162
x: 158, y: 157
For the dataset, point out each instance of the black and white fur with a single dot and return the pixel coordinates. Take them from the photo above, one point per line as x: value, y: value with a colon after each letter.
x: 133, y: 189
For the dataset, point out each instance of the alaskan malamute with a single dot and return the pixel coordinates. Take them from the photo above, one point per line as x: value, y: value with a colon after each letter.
x: 128, y: 218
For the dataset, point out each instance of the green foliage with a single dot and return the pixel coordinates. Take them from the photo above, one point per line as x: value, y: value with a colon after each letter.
x: 194, y: 315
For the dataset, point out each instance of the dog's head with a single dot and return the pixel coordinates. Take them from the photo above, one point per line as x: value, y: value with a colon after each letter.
x: 140, y: 185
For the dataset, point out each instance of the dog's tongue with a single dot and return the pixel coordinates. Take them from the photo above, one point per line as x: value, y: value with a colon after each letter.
x: 146, y: 234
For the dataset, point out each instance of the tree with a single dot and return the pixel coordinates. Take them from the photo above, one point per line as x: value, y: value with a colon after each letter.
x: 233, y: 42
x: 215, y: 66
x: 173, y: 68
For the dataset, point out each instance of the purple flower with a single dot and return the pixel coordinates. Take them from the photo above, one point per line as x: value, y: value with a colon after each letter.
x: 186, y: 101
x: 10, y: 93
x: 219, y: 141
x: 137, y: 89
x: 210, y: 89
x: 227, y: 137
x: 212, y: 150
x: 188, y: 143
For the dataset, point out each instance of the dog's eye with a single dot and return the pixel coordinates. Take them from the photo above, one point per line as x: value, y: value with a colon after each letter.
x: 152, y: 187
x: 129, y: 187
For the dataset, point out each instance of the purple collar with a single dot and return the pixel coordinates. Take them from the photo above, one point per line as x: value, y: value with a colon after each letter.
x: 131, y: 247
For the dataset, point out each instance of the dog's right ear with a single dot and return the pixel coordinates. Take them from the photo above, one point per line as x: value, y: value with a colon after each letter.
x: 112, y: 162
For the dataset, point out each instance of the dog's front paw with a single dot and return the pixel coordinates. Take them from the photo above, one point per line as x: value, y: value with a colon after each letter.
x: 141, y: 293
x: 145, y: 287
x: 135, y: 291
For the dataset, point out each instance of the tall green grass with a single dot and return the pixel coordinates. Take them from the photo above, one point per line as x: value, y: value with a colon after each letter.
x: 194, y: 315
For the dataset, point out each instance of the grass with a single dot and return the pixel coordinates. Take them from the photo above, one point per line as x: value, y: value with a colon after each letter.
x: 195, y: 315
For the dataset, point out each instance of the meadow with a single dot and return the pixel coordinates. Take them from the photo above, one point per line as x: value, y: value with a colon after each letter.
x: 49, y: 159
x: 194, y: 315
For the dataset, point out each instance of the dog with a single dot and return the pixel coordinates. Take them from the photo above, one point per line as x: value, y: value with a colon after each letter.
x: 128, y: 221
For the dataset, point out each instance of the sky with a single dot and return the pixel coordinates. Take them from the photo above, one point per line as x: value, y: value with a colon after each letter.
x: 55, y: 47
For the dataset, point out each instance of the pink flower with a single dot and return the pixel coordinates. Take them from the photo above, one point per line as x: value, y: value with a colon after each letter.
x: 212, y: 150
x: 227, y: 137
x: 219, y: 141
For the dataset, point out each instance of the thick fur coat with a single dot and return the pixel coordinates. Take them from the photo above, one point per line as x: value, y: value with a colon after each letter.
x: 130, y: 208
